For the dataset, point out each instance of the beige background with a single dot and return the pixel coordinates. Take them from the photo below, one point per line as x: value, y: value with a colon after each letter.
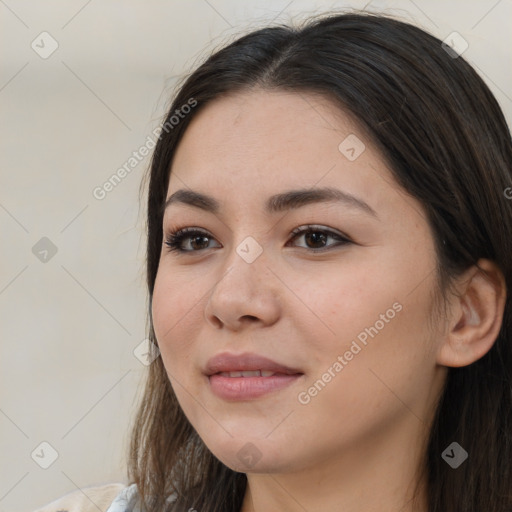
x: 69, y: 326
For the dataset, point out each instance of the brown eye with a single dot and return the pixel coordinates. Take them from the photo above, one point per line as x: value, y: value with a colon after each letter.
x: 196, y: 239
x: 316, y: 237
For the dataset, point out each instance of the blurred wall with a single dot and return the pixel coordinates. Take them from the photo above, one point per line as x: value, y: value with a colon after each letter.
x: 82, y: 85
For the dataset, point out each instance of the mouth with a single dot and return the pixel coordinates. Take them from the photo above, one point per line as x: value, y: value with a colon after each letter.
x: 246, y: 363
x: 247, y: 376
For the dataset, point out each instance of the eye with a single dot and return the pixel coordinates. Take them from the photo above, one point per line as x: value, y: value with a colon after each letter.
x: 197, y: 239
x: 317, y: 236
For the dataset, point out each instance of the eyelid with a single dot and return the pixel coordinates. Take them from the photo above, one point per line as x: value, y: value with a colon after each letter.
x: 181, y: 233
x: 319, y: 227
x: 175, y: 237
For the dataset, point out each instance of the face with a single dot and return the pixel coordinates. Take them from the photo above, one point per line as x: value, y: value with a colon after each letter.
x: 336, y: 292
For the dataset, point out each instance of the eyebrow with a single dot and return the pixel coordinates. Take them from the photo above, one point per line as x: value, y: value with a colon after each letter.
x: 289, y: 200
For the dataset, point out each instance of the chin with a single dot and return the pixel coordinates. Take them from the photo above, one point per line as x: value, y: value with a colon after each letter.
x: 247, y: 454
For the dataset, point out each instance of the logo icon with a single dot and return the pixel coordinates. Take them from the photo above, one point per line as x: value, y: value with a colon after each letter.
x: 146, y: 352
x: 44, y: 250
x: 454, y: 455
x: 44, y: 45
x: 351, y: 147
x: 249, y: 249
x: 44, y: 455
x: 249, y: 455
x: 455, y: 45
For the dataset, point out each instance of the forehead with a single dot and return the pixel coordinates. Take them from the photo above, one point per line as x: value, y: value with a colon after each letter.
x: 245, y: 147
x: 261, y: 128
x: 259, y: 122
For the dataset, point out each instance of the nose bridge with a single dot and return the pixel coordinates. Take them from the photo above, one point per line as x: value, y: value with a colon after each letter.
x: 246, y: 288
x: 248, y: 252
x: 247, y: 267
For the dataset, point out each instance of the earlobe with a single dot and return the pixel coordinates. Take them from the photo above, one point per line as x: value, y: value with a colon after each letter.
x: 476, y: 315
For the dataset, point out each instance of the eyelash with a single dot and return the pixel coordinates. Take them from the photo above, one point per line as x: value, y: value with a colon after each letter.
x: 175, y: 238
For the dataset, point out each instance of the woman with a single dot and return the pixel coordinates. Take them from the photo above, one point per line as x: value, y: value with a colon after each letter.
x: 371, y: 372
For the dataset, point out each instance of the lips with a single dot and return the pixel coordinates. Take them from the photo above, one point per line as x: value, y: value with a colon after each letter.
x: 245, y: 365
x: 247, y: 376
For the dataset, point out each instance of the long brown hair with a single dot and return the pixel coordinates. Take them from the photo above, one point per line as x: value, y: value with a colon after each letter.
x: 445, y: 139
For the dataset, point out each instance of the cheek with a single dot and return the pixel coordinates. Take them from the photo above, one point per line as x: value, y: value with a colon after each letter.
x: 378, y: 319
x: 386, y: 378
x: 339, y: 304
x: 175, y: 312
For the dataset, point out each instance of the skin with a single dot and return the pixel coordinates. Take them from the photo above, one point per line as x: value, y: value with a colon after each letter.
x: 364, y: 431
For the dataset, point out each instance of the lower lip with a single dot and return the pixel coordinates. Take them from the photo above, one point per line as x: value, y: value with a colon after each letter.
x: 244, y: 388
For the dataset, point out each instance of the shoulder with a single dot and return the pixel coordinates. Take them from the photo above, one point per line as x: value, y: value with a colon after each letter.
x: 90, y: 499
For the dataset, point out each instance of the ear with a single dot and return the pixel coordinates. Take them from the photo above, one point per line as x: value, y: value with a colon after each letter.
x: 476, y: 315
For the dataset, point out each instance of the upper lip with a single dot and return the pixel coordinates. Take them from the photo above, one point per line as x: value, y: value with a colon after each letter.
x: 227, y: 362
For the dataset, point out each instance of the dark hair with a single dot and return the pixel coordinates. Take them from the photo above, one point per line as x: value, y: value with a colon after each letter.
x: 445, y: 139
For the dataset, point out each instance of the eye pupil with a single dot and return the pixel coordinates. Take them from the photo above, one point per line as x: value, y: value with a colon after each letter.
x: 194, y: 239
x: 316, y: 236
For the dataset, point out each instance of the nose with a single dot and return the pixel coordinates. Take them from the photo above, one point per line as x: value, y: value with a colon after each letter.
x: 245, y: 294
